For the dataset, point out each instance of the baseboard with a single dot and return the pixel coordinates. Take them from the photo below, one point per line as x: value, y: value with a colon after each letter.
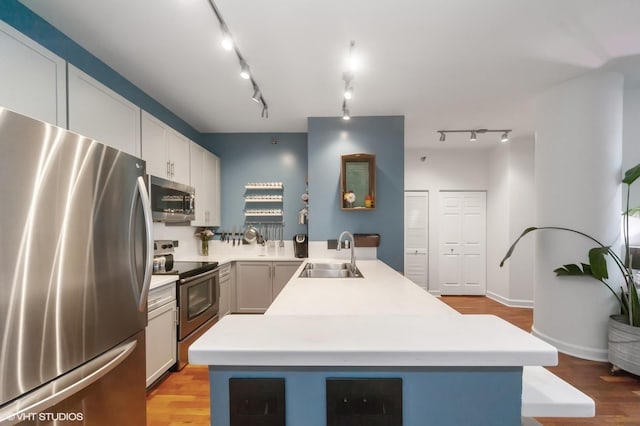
x: 436, y: 293
x: 512, y: 303
x: 591, y: 354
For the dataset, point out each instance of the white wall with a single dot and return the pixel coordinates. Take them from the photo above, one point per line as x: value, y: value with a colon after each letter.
x: 498, y: 213
x: 511, y: 209
x: 522, y: 215
x: 443, y: 170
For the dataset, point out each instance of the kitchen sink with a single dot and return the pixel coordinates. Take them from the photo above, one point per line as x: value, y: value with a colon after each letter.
x: 329, y: 270
x: 331, y: 266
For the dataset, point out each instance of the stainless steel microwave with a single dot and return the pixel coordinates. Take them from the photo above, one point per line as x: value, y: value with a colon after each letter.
x: 171, y: 201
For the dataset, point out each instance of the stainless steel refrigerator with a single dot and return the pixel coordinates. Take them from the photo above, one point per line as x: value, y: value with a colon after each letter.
x: 76, y: 257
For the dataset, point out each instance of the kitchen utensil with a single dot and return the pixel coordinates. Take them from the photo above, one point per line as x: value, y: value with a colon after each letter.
x: 250, y: 234
x: 233, y: 235
x: 260, y: 236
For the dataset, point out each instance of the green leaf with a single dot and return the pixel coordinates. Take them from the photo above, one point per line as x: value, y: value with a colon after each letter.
x: 598, y: 262
x: 513, y: 246
x: 631, y: 175
x: 633, y: 212
x: 569, y: 270
x: 635, y: 305
x: 587, y: 269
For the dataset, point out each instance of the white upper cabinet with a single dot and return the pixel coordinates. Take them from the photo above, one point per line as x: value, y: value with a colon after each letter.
x: 205, y: 178
x: 33, y: 80
x: 165, y: 150
x: 100, y: 113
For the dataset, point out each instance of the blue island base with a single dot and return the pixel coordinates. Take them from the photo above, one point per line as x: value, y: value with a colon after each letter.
x: 461, y: 396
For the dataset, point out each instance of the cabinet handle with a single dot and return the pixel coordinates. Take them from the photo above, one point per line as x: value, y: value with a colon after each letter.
x: 172, y: 169
x: 168, y: 169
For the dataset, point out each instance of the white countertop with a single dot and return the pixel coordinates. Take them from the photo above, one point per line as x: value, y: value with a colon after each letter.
x: 417, y: 340
x: 382, y: 291
x: 160, y: 280
x: 382, y: 319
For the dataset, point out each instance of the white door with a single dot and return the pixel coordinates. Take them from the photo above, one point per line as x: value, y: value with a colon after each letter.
x: 462, y: 229
x: 416, y: 237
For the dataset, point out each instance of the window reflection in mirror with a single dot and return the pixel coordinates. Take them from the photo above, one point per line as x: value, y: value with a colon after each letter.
x: 358, y: 181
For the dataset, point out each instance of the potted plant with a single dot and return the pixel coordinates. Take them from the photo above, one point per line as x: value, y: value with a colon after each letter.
x: 624, y: 329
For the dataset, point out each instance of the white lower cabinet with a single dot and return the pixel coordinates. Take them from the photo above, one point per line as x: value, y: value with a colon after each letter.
x: 259, y: 282
x: 161, y: 332
x: 226, y: 286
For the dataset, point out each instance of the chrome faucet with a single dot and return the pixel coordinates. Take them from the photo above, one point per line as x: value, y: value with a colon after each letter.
x: 352, y: 246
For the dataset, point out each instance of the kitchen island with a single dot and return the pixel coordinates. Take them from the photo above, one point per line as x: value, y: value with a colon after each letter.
x: 334, y: 341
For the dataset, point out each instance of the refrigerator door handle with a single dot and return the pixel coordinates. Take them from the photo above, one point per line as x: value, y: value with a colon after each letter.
x: 65, y: 386
x: 148, y: 223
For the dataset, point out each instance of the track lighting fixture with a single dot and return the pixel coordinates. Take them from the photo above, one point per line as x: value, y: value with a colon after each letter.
x: 348, y: 76
x: 228, y: 44
x: 474, y: 133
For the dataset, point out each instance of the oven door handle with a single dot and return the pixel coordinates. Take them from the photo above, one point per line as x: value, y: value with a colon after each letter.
x: 197, y: 277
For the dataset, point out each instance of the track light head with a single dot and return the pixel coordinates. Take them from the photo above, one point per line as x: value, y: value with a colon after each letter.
x: 442, y: 137
x: 257, y: 96
x: 505, y: 137
x: 227, y: 41
x: 348, y: 93
x: 244, y: 70
x: 473, y: 137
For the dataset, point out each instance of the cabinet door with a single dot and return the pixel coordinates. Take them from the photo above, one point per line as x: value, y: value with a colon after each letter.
x: 253, y: 287
x: 100, y: 113
x: 154, y: 146
x: 161, y: 343
x: 282, y: 273
x: 211, y: 178
x: 225, y: 297
x: 178, y: 156
x: 197, y: 181
x: 212, y: 172
x: 33, y: 79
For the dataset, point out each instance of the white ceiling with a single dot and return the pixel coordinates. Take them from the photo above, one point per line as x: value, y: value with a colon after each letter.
x: 440, y: 63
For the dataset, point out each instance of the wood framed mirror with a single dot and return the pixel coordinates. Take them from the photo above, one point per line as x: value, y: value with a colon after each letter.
x: 358, y: 182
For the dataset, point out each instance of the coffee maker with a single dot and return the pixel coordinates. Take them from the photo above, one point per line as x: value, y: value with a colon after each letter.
x: 301, y: 245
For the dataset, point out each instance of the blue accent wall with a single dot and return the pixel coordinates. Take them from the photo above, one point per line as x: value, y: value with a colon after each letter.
x: 252, y: 157
x: 331, y: 137
x: 33, y: 26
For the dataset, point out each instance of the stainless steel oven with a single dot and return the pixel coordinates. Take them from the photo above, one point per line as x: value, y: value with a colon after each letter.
x: 198, y: 301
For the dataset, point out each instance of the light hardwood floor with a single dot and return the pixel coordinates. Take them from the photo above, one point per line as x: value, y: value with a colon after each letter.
x: 183, y: 398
